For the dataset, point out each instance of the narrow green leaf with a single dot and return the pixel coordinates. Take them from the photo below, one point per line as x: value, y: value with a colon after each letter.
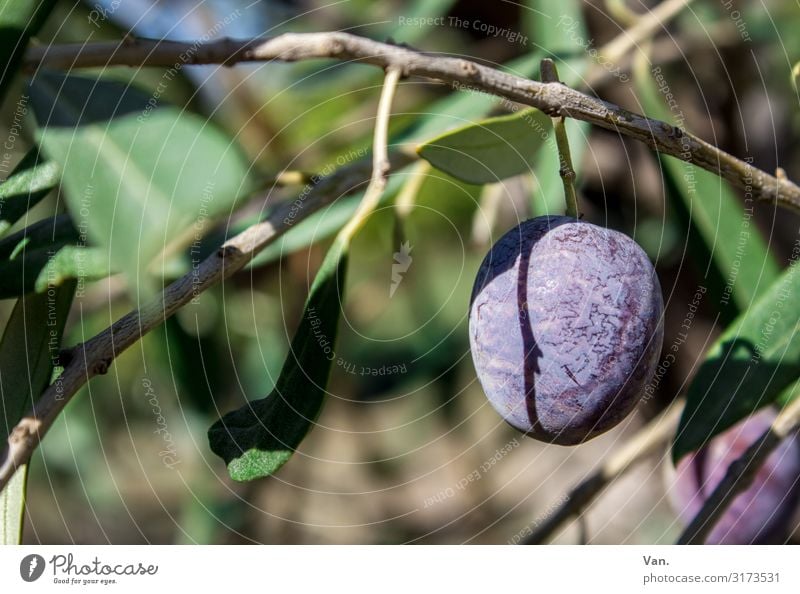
x: 491, y: 150
x: 19, y: 21
x: 30, y: 181
x: 260, y: 437
x: 30, y: 345
x: 750, y: 366
x: 137, y: 172
x: 735, y: 245
x: 12, y: 508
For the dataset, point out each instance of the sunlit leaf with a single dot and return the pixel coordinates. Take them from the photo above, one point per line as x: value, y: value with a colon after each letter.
x: 137, y: 173
x: 490, y: 150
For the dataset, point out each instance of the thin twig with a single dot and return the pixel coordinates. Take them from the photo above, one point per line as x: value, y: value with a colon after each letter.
x: 740, y: 475
x: 549, y: 74
x: 646, y: 25
x: 380, y: 156
x: 96, y: 355
x: 551, y: 98
x: 648, y: 440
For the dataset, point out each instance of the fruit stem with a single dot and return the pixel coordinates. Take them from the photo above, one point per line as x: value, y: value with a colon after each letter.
x: 549, y: 74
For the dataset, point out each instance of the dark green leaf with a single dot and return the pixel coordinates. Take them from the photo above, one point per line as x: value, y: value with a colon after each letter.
x: 138, y: 175
x: 259, y: 438
x: 491, y: 150
x: 748, y: 367
x: 44, y: 255
x: 30, y: 181
x: 19, y: 20
x: 30, y: 345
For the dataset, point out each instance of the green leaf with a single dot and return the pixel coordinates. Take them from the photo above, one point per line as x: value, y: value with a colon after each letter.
x: 748, y: 367
x: 260, y: 437
x: 488, y: 151
x: 30, y: 181
x: 734, y: 243
x: 138, y: 175
x: 19, y: 21
x: 12, y: 508
x: 30, y: 345
x: 558, y: 30
x: 556, y: 27
x: 43, y: 255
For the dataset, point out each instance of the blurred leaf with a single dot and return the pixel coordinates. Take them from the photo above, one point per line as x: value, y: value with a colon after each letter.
x: 260, y: 437
x: 748, y: 367
x: 30, y: 344
x: 322, y: 225
x: 30, y: 181
x: 558, y: 28
x: 548, y: 195
x: 19, y: 20
x: 547, y: 21
x: 137, y: 174
x: 735, y: 244
x: 44, y: 255
x: 488, y: 151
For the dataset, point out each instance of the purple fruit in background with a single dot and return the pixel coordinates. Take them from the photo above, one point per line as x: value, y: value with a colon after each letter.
x: 565, y: 327
x: 759, y: 515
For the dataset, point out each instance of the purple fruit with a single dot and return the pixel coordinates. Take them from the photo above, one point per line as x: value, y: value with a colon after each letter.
x: 759, y: 515
x: 565, y: 327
